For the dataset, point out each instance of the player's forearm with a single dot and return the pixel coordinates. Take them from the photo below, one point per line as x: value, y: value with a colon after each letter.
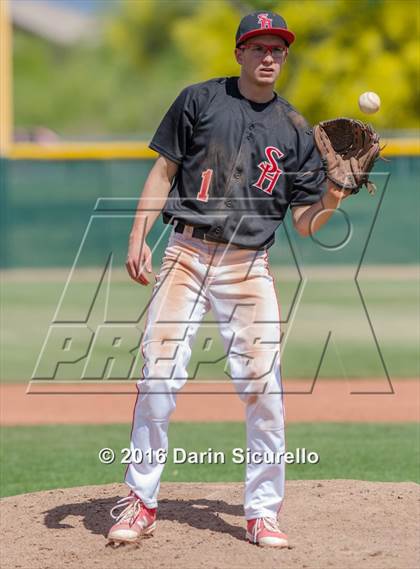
x: 148, y: 208
x: 154, y: 196
x: 317, y: 215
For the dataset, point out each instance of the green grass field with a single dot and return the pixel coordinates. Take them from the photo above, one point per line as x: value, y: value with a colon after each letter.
x: 58, y: 456
x: 324, y: 306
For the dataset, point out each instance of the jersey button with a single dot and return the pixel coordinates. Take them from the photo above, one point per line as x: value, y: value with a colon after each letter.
x: 238, y: 172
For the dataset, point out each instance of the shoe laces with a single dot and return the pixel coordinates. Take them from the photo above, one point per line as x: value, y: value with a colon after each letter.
x: 270, y: 523
x: 132, y: 506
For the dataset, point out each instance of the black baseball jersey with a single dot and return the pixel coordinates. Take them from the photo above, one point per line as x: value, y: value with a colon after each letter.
x: 241, y: 164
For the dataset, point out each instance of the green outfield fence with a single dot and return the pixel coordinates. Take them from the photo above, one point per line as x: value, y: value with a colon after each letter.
x: 47, y: 205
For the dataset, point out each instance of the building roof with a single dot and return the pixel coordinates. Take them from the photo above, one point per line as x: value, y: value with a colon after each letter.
x: 56, y: 23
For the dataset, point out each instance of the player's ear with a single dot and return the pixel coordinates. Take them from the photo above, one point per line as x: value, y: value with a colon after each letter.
x: 239, y: 55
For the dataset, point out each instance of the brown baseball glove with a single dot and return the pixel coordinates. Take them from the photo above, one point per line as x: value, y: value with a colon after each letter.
x: 349, y: 149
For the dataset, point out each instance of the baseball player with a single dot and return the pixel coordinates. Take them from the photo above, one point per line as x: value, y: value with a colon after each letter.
x: 233, y: 157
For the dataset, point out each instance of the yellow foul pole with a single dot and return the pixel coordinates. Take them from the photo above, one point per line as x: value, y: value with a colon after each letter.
x: 6, y: 112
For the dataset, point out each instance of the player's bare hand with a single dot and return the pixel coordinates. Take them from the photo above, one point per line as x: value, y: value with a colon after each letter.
x: 139, y: 260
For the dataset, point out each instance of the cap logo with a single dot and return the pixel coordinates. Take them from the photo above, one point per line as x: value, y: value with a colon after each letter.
x: 264, y: 21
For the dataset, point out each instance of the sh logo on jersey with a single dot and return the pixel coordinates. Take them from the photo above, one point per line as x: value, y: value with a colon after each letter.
x: 270, y: 171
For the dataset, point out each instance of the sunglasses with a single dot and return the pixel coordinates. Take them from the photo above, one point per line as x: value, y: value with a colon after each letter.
x: 260, y: 49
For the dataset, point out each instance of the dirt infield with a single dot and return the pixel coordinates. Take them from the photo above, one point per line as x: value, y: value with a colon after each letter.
x: 330, y: 400
x: 341, y: 524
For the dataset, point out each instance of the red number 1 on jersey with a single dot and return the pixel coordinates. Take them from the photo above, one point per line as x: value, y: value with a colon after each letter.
x: 203, y: 194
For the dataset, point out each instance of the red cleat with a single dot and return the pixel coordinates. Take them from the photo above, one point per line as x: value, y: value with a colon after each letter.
x: 134, y: 522
x: 266, y: 533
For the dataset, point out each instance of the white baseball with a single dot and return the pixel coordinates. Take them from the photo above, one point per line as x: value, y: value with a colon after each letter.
x: 369, y: 102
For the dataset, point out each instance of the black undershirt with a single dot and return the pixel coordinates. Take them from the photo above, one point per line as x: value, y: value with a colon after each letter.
x: 258, y: 107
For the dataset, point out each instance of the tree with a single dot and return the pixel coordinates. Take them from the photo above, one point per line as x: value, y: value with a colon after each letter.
x: 343, y: 48
x: 151, y: 49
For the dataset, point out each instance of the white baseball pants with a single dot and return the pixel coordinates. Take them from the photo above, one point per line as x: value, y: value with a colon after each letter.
x: 236, y: 285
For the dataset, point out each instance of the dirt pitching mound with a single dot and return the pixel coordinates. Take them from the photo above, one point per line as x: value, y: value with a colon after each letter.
x: 340, y: 524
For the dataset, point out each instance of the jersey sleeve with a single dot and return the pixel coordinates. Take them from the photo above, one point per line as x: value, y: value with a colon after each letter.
x: 174, y: 133
x: 309, y: 183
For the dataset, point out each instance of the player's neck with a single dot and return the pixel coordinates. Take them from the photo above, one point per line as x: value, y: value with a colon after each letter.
x: 256, y: 93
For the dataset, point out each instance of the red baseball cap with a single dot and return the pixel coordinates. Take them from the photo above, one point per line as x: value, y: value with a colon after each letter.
x: 259, y: 23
